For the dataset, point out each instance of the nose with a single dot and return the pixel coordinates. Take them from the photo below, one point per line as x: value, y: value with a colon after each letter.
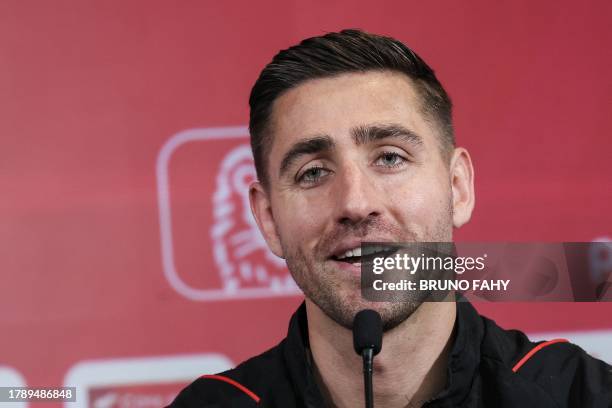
x: 357, y: 197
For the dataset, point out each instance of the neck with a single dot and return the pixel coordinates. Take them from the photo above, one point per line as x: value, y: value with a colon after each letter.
x: 410, y: 369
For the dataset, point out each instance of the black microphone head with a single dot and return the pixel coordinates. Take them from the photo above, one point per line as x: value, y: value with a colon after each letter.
x: 367, y: 331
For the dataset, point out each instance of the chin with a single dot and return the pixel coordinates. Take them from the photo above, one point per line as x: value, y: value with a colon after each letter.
x: 344, y: 308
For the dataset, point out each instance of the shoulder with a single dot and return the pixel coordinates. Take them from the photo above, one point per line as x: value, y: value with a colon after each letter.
x: 563, y: 371
x: 243, y: 386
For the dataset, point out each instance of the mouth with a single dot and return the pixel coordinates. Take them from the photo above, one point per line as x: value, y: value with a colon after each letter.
x: 366, y: 254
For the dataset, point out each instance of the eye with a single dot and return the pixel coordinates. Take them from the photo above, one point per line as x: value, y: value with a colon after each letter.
x: 312, y: 175
x: 390, y: 159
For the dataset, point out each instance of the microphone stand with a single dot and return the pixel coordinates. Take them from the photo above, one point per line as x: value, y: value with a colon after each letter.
x: 368, y: 357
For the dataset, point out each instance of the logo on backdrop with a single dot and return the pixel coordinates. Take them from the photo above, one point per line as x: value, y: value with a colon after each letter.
x: 241, y: 253
x: 138, y: 382
x: 10, y: 377
x: 230, y: 258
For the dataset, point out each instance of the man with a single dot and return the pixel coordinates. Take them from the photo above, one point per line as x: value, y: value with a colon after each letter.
x: 353, y: 141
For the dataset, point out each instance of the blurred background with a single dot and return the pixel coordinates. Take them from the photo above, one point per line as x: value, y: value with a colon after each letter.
x: 129, y: 262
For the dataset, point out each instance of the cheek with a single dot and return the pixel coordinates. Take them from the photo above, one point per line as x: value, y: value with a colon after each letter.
x: 411, y: 205
x: 299, y: 221
x: 420, y: 202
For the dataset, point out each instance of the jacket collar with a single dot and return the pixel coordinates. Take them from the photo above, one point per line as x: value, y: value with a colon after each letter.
x: 299, y: 362
x: 462, y: 368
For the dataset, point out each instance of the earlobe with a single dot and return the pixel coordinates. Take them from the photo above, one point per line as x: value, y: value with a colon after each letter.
x: 262, y: 211
x: 462, y: 184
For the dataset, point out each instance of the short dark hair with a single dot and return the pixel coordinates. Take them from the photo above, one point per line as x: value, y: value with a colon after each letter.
x: 332, y: 54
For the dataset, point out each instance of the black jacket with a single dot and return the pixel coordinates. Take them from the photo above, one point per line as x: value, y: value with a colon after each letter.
x: 488, y: 367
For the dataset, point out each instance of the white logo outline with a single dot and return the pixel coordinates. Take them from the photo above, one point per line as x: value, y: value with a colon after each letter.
x: 165, y: 221
x: 134, y: 371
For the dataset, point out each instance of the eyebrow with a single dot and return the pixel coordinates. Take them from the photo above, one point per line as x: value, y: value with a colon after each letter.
x: 360, y: 134
x: 371, y: 133
x: 311, y: 145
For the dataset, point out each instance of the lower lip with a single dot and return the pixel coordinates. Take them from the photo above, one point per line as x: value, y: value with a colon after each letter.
x: 353, y: 269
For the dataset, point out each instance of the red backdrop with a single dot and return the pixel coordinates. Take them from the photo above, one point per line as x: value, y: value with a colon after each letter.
x: 127, y: 260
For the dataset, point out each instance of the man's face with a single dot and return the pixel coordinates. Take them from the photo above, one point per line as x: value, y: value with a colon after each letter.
x: 353, y: 159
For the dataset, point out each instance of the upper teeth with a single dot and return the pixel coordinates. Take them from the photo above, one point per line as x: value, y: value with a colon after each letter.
x: 357, y: 251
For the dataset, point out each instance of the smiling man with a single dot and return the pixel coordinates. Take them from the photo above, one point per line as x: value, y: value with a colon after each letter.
x: 353, y: 141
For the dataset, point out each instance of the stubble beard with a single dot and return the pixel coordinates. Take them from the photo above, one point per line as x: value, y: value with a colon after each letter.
x: 340, y: 297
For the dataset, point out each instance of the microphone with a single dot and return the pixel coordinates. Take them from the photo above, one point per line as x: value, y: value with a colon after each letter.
x: 367, y: 341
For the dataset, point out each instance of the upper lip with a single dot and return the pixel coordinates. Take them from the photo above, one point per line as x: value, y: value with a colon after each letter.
x: 352, y: 243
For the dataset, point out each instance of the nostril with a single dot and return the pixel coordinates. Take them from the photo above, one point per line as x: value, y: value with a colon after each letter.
x: 346, y: 221
x: 359, y: 220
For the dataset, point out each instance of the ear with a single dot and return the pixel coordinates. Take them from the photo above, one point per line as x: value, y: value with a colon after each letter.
x: 262, y: 211
x: 462, y: 184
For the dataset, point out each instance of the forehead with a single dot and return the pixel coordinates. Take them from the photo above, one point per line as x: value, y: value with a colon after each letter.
x: 333, y: 106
